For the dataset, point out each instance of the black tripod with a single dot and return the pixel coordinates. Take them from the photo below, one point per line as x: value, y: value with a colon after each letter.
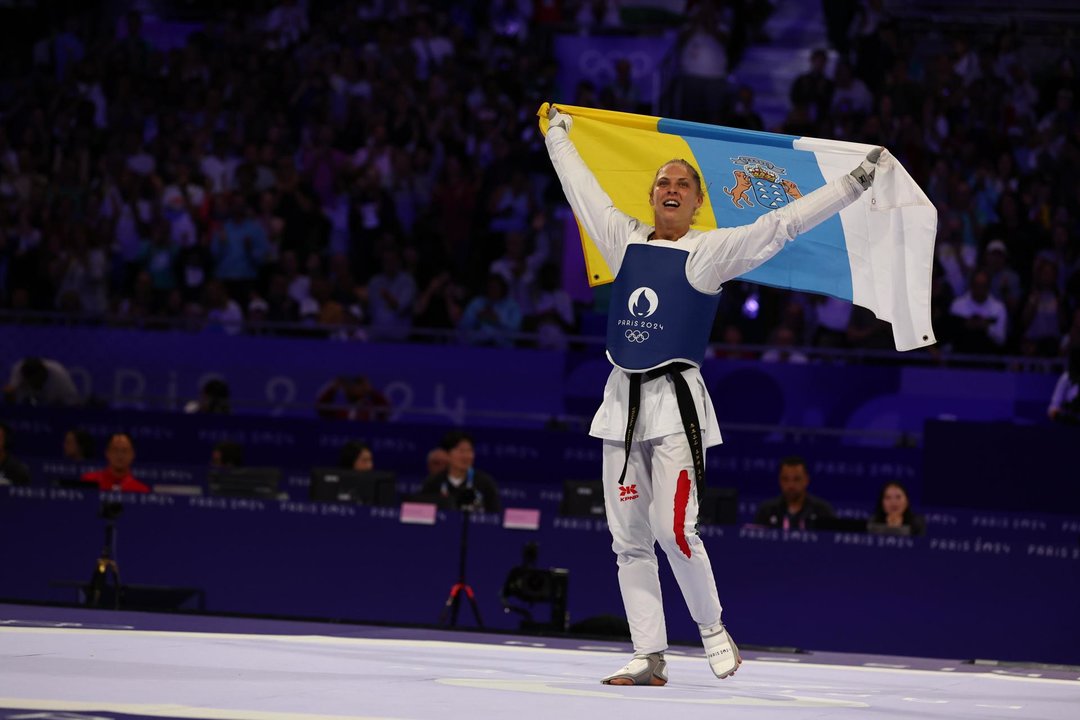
x: 453, y: 600
x: 106, y: 563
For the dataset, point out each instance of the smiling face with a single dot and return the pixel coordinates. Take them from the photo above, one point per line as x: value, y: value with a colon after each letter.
x: 676, y: 194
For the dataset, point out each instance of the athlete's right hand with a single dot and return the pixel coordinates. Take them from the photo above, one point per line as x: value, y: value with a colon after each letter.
x: 558, y: 119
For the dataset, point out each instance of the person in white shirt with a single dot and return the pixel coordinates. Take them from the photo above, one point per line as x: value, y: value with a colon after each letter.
x: 980, y: 318
x: 656, y: 418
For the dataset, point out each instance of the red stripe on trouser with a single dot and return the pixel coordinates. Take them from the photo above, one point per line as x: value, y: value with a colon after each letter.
x: 682, y: 497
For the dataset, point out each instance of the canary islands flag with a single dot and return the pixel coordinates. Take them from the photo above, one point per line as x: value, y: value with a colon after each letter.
x: 877, y: 253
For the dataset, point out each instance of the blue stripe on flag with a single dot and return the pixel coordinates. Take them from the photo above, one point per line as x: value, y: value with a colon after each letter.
x: 817, y: 261
x: 716, y: 132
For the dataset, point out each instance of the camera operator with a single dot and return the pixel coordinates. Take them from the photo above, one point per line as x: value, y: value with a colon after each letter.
x: 120, y: 454
x: 461, y: 486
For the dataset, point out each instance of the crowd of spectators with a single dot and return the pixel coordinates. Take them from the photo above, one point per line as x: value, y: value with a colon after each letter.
x: 369, y: 168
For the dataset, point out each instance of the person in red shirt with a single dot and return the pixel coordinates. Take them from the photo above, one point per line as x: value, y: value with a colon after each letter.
x: 120, y: 453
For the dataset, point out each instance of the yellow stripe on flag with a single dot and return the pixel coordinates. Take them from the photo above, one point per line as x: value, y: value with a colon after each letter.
x: 624, y: 151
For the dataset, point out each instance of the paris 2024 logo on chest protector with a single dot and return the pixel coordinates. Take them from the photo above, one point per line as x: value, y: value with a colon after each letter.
x: 642, y: 304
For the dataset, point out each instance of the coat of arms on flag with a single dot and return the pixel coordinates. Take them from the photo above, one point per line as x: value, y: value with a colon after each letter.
x: 763, y: 177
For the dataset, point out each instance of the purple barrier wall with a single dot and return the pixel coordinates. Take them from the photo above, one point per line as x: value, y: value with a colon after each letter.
x: 497, y: 387
x: 939, y: 597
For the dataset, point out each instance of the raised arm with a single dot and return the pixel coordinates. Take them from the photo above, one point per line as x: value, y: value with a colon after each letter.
x: 727, y: 253
x: 608, y: 227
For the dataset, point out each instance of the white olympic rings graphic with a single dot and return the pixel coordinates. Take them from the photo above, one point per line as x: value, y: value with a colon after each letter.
x: 638, y: 336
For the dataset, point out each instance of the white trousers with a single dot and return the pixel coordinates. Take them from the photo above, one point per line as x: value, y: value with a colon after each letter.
x: 657, y: 503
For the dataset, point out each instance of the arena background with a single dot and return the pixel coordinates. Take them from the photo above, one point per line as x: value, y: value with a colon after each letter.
x: 290, y: 196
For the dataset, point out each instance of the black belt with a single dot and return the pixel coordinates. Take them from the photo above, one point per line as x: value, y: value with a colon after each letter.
x: 687, y: 411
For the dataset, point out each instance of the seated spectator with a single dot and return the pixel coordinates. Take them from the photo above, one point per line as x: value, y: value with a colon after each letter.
x: 553, y: 311
x: 390, y: 295
x: 223, y: 314
x: 1042, y: 319
x: 120, y: 454
x: 12, y: 471
x: 352, y: 398
x: 490, y: 318
x: 978, y: 318
x: 813, y: 89
x: 850, y: 95
x: 356, y: 455
x: 832, y: 317
x: 893, y: 515
x: 520, y: 269
x: 1004, y: 281
x: 783, y: 348
x: 78, y: 445
x: 227, y: 454
x: 868, y: 332
x: 40, y: 381
x: 795, y: 508
x: 240, y: 247
x: 461, y: 486
x: 731, y: 342
x: 441, y: 304
x: 1065, y: 402
x: 437, y: 461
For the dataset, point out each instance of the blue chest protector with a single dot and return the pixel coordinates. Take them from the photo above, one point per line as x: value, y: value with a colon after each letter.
x: 656, y: 316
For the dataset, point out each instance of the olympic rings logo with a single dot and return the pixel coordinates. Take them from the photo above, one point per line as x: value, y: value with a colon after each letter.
x: 637, y: 336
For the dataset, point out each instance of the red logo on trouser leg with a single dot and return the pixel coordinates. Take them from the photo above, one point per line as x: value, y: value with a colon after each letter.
x: 627, y: 492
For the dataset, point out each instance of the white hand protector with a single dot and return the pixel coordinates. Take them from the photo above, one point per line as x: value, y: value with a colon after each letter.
x: 865, y: 172
x: 558, y: 119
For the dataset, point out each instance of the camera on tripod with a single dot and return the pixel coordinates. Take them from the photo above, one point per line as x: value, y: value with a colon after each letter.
x: 531, y: 585
x: 110, y: 510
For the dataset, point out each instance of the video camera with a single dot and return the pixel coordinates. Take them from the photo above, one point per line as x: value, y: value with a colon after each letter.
x: 532, y: 585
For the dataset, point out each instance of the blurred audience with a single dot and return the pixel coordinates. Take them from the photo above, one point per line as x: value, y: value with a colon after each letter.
x: 361, y: 164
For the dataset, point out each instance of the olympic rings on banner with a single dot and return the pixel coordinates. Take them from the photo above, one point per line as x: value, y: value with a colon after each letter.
x: 637, y: 336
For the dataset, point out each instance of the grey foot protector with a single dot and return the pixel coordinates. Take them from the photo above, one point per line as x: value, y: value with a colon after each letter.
x: 653, y: 672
